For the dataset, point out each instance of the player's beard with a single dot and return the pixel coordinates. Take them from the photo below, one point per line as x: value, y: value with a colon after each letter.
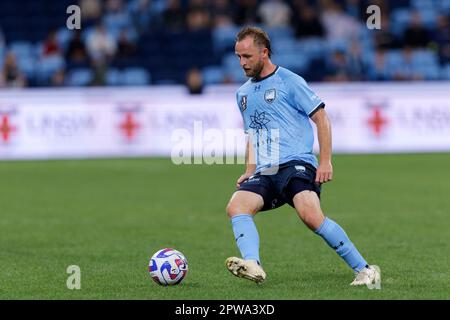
x: 256, y: 70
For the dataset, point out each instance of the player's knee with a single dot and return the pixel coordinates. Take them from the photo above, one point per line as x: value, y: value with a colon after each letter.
x: 312, y: 219
x: 308, y: 208
x: 234, y: 208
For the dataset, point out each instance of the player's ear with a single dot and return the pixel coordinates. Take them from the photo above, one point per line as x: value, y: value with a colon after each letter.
x: 265, y: 52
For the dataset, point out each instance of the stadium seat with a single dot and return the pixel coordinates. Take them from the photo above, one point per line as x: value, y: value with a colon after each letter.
x: 445, y: 72
x: 114, y: 22
x: 444, y: 6
x: 313, y: 47
x: 393, y: 58
x: 285, y: 45
x: 213, y: 75
x: 230, y: 61
x: 22, y: 49
x: 428, y: 72
x: 135, y: 76
x: 236, y: 75
x: 400, y: 19
x: 113, y: 77
x: 429, y: 17
x: 63, y: 36
x: 292, y: 60
x: 80, y: 77
x: 338, y: 45
x: 2, y: 55
x: 223, y: 38
x: 423, y: 4
x: 27, y: 65
x: 425, y: 57
x: 47, y: 66
x: 86, y: 33
x: 281, y: 33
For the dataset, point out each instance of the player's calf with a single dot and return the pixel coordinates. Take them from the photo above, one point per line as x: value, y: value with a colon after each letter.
x: 307, y: 205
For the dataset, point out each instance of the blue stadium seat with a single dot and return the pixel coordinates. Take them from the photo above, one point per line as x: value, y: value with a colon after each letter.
x: 285, y: 45
x: 49, y: 65
x: 39, y: 49
x: 429, y: 17
x: 86, y: 33
x: 400, y: 19
x: 63, y: 36
x: 338, y: 45
x: 213, y: 75
x: 27, y: 65
x: 444, y: 6
x: 445, y: 72
x: 117, y: 21
x: 135, y: 77
x: 393, y: 58
x: 280, y: 33
x: 230, y: 61
x: 223, y: 38
x: 22, y: 49
x: 79, y: 77
x: 428, y: 72
x: 425, y: 57
x: 2, y: 55
x: 236, y: 75
x: 313, y: 48
x: 423, y: 4
x: 113, y: 77
x: 292, y: 60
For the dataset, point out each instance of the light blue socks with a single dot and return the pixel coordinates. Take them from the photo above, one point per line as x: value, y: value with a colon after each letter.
x: 337, y: 239
x: 247, y: 240
x: 246, y: 236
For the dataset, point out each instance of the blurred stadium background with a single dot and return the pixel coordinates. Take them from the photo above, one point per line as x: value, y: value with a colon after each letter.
x: 141, y: 42
x: 138, y: 70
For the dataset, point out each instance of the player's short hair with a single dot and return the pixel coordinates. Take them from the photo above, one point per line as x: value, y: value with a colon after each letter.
x: 260, y: 37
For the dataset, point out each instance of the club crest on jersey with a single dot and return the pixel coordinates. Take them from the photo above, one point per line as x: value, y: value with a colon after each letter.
x: 270, y: 95
x: 243, y: 103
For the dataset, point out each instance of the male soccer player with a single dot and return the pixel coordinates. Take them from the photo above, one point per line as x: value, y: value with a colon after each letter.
x: 276, y: 105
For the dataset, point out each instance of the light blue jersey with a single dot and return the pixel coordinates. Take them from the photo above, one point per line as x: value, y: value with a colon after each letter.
x: 276, y: 111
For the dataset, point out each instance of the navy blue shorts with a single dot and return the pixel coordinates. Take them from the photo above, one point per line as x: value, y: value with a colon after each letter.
x: 280, y: 188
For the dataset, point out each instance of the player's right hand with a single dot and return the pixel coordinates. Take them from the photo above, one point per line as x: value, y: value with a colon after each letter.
x: 242, y: 179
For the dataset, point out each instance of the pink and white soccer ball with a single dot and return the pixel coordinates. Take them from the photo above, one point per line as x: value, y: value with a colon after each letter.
x: 168, y: 267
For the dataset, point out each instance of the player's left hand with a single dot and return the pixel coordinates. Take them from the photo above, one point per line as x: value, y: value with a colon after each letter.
x: 324, y: 172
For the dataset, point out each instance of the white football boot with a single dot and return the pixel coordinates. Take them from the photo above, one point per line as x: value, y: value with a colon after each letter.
x: 248, y: 269
x: 367, y: 276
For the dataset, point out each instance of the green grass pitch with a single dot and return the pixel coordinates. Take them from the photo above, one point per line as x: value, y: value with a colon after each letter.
x: 109, y: 216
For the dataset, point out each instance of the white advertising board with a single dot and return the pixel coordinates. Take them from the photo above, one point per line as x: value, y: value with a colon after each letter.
x: 158, y: 121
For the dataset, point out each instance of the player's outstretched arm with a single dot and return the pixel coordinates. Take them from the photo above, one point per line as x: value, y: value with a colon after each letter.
x: 249, y: 161
x: 325, y: 169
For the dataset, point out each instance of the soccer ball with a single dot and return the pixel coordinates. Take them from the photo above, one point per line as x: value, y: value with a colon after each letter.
x: 168, y: 267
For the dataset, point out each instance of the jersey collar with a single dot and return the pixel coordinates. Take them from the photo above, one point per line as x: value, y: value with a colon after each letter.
x: 263, y: 78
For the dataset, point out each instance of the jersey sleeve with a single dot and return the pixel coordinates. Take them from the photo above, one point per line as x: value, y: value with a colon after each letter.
x: 242, y: 104
x: 303, y: 98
